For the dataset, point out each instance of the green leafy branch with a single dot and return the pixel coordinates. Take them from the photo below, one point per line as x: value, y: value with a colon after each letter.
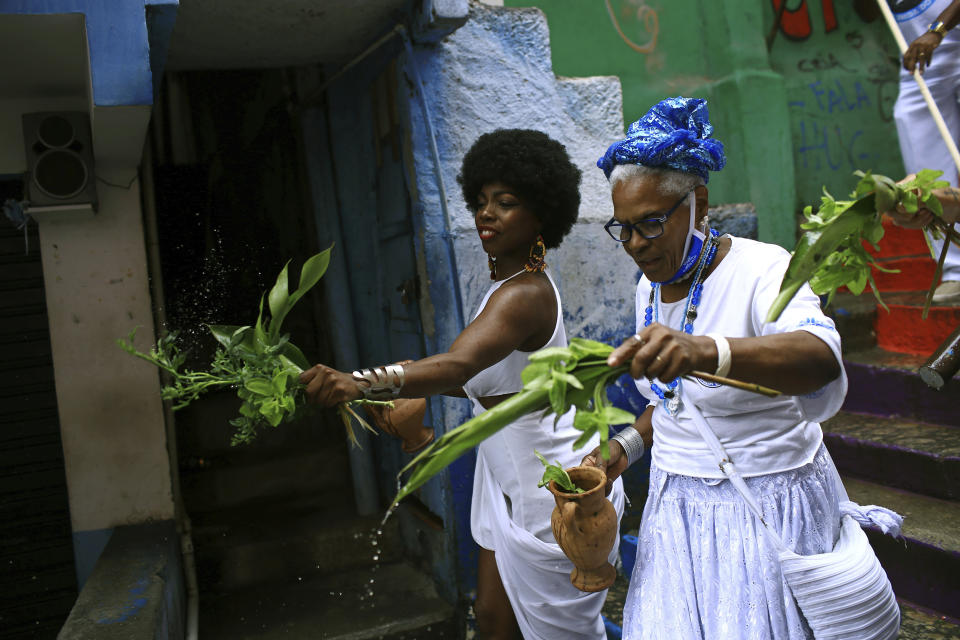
x: 830, y: 254
x: 258, y: 361
x: 558, y: 474
x: 556, y: 379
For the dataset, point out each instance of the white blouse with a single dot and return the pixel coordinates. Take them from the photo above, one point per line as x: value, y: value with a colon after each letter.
x: 762, y: 435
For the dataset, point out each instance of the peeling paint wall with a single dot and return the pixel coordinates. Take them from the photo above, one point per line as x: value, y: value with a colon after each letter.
x: 495, y: 72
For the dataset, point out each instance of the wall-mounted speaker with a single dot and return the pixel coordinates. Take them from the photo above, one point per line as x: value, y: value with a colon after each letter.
x: 59, y: 158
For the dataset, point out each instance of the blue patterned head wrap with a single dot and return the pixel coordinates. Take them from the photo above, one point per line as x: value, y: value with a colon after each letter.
x: 674, y: 134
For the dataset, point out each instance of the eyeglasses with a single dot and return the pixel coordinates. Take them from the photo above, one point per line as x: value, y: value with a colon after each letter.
x: 649, y: 228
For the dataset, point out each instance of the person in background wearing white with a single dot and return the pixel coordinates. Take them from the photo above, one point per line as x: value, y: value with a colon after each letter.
x: 935, y: 50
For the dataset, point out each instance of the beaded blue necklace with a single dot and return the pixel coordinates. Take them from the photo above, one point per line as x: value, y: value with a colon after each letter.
x: 671, y: 395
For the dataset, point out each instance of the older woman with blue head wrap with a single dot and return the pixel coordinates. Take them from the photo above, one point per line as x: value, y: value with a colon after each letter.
x: 705, y: 569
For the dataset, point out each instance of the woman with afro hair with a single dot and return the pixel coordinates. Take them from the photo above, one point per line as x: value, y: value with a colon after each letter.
x: 523, y: 191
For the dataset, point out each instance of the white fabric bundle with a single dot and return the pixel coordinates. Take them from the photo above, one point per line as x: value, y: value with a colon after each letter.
x: 844, y: 594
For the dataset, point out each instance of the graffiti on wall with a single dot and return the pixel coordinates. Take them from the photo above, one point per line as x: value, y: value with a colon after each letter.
x: 825, y: 141
x: 795, y: 22
x: 841, y: 86
x: 644, y: 15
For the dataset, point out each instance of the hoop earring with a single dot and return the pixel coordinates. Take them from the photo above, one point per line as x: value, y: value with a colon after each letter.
x: 536, y: 263
x: 492, y: 265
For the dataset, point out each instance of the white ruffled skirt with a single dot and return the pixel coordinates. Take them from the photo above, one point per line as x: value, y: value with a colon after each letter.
x: 706, y: 571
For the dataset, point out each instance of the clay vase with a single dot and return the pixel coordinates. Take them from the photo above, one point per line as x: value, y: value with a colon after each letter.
x: 404, y: 421
x: 585, y: 526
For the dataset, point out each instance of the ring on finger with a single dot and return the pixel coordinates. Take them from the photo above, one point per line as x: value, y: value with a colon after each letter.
x: 638, y: 339
x: 659, y: 359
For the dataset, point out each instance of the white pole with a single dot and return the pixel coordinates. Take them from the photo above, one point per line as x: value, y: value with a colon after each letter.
x: 934, y: 111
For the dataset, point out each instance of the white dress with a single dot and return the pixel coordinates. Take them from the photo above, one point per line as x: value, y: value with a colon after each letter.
x: 511, y: 515
x: 704, y: 570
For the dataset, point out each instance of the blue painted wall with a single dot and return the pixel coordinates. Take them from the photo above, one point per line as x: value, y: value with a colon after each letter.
x: 119, y: 40
x: 355, y: 140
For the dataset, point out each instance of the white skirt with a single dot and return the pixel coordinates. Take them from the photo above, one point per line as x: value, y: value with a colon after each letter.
x: 705, y: 570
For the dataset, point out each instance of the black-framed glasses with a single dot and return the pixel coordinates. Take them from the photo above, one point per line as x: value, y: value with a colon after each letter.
x: 649, y: 228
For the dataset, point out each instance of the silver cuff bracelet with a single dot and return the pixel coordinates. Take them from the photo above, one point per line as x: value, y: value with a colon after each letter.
x: 632, y: 443
x: 380, y: 383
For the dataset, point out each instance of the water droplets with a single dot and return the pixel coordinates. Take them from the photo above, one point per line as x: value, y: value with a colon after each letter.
x: 375, y: 536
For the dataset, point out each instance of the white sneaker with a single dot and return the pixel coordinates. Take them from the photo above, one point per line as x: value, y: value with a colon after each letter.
x: 947, y: 293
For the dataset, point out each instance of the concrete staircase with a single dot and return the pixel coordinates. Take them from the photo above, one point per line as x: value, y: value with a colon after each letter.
x: 897, y: 441
x: 280, y: 550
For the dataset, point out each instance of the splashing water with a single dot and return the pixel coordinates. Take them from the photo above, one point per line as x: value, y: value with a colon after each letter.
x: 367, y: 590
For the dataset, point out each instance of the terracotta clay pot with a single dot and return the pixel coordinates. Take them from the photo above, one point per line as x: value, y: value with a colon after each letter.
x: 404, y: 421
x: 585, y: 526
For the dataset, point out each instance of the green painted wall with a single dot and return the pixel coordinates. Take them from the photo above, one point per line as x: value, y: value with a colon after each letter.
x: 803, y: 115
x: 841, y: 84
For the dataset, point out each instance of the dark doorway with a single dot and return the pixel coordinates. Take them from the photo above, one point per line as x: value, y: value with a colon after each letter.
x: 232, y: 209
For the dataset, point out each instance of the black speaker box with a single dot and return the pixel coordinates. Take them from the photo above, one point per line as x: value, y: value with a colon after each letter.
x: 59, y: 153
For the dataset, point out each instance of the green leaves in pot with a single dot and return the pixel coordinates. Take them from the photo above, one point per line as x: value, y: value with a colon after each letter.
x: 558, y: 474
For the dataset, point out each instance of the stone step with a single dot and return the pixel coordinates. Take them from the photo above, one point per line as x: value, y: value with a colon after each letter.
x: 919, y: 623
x: 897, y: 241
x: 275, y: 540
x: 862, y: 323
x: 904, y: 330
x: 404, y: 605
x: 924, y: 564
x: 243, y: 474
x: 886, y: 383
x: 918, y: 457
x: 907, y: 273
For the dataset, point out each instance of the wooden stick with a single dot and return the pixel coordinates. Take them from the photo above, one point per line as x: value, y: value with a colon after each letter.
x: 947, y: 230
x: 737, y: 384
x: 933, y: 283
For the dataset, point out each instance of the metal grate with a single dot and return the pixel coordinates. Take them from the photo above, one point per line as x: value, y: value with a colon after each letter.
x: 37, y: 577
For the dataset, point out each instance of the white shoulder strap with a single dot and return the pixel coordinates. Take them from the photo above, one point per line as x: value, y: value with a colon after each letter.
x: 730, y: 471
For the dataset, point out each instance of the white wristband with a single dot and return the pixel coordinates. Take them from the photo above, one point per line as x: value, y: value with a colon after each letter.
x: 723, y: 354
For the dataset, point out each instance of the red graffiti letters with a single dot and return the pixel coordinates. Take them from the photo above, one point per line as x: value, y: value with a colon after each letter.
x: 795, y: 23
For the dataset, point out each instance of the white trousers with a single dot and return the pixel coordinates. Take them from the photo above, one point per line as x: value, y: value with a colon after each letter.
x: 922, y: 146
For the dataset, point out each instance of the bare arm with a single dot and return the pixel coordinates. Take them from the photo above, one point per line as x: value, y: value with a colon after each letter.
x: 795, y: 363
x: 515, y: 317
x: 951, y: 15
x: 520, y: 315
